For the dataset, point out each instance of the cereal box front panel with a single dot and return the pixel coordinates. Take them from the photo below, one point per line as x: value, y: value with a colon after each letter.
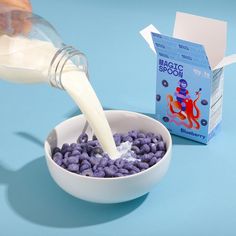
x: 183, y: 87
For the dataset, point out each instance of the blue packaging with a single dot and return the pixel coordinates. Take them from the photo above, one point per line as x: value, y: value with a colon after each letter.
x: 189, y: 77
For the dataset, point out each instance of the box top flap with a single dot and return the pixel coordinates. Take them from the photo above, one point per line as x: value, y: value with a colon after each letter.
x: 226, y: 61
x: 146, y: 33
x: 208, y: 32
x: 180, y: 50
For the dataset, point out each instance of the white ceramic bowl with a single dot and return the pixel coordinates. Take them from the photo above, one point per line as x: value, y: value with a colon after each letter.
x: 107, y: 190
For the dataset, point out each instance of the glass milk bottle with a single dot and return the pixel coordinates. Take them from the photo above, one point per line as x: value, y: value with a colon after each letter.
x: 31, y: 51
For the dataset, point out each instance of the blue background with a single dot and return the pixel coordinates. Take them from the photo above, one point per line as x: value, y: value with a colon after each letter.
x: 197, y: 196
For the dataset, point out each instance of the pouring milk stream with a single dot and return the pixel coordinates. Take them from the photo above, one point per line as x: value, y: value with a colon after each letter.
x: 30, y: 60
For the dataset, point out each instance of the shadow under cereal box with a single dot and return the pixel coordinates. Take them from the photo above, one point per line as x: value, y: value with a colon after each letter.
x: 189, y: 84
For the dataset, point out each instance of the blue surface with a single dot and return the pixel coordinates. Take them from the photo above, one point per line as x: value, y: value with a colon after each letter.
x: 197, y: 196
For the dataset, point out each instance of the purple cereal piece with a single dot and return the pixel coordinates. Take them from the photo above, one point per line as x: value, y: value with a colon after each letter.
x: 127, y: 138
x: 135, y: 168
x: 83, y: 146
x: 154, y: 140
x: 87, y: 162
x: 128, y: 166
x: 145, y: 158
x: 133, y: 154
x: 132, y: 172
x: 63, y: 151
x: 148, y: 140
x: 84, y: 167
x: 158, y: 137
x: 95, y: 167
x: 84, y: 156
x: 151, y: 155
x: 99, y: 173
x: 118, y: 174
x: 119, y: 162
x: 73, y: 167
x: 113, y: 168
x: 160, y: 154
x: 58, y: 154
x: 87, y: 172
x: 161, y: 146
x: 145, y: 148
x: 143, y: 165
x: 69, y: 149
x: 65, y: 146
x: 100, y: 168
x: 97, y: 150
x: 117, y: 139
x: 135, y: 149
x: 75, y: 152
x: 83, y: 138
x: 73, y: 159
x: 153, y: 147
x: 145, y: 141
x: 55, y: 150
x: 110, y: 162
x: 79, y: 148
x: 153, y: 161
x: 133, y: 134
x: 141, y: 141
x: 150, y: 135
x: 103, y: 161
x: 108, y: 171
x: 67, y: 154
x: 89, y: 148
x: 94, y: 160
x: 123, y: 171
x: 135, y: 163
x: 105, y: 155
x: 73, y: 145
x: 58, y: 159
x: 93, y: 143
x: 65, y: 161
x: 136, y: 143
x: 141, y: 135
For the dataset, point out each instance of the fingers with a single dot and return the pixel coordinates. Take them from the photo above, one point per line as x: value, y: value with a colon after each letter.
x: 13, y: 22
x: 20, y: 4
x: 19, y: 23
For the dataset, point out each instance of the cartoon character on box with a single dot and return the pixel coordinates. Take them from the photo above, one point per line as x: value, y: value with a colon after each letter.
x: 184, y: 108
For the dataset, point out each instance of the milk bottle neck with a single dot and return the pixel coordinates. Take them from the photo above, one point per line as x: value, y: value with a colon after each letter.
x: 66, y: 59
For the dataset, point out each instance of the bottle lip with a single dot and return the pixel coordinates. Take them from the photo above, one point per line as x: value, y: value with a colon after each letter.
x: 59, y: 60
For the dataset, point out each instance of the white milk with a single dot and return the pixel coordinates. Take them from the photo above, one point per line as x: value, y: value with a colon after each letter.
x: 30, y: 61
x: 79, y: 88
x: 30, y: 64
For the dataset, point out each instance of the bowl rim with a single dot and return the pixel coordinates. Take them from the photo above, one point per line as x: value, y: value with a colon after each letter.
x: 168, y: 152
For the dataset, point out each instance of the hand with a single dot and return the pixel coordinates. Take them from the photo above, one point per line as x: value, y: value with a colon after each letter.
x: 13, y: 18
